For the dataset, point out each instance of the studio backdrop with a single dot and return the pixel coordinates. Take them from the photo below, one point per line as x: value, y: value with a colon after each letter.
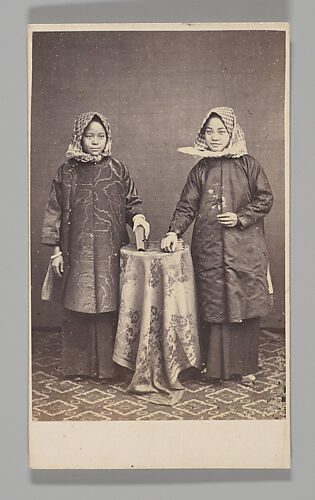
x: 155, y: 87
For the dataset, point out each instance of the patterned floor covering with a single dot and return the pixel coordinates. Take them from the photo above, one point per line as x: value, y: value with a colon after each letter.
x: 56, y: 398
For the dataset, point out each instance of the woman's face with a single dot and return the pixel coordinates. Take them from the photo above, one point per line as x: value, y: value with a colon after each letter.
x: 94, y: 139
x: 216, y: 135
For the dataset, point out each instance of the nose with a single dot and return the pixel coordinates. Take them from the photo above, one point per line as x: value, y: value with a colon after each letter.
x: 95, y: 140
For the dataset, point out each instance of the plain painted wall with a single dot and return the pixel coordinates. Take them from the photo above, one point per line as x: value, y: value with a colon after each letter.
x: 155, y: 88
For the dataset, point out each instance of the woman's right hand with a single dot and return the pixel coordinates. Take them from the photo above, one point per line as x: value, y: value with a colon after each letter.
x: 57, y: 265
x: 169, y: 243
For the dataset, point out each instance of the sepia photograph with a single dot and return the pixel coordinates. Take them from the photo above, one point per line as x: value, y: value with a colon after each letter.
x: 159, y: 241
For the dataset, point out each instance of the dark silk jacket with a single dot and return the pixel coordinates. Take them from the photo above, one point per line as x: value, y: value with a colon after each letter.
x: 86, y: 214
x: 230, y: 263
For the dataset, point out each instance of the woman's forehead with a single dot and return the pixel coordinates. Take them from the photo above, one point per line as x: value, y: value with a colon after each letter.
x: 215, y: 121
x: 94, y: 126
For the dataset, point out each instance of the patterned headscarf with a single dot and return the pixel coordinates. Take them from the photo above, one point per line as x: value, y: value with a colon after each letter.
x: 235, y: 148
x: 75, y: 148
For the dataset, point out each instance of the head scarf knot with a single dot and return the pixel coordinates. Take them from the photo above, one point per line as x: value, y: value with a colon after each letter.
x: 75, y: 147
x: 237, y: 143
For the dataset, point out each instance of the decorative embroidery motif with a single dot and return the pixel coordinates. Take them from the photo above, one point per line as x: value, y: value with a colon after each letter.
x: 218, y: 201
x: 155, y: 272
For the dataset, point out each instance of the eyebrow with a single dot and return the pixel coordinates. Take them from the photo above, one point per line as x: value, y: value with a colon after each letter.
x: 92, y: 133
x: 221, y: 128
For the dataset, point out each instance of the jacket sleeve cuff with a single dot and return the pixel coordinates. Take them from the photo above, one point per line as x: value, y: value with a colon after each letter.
x: 140, y: 216
x: 242, y: 221
x: 131, y: 213
x: 50, y: 241
x: 174, y: 230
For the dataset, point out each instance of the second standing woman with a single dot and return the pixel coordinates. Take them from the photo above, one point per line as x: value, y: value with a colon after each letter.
x: 228, y: 195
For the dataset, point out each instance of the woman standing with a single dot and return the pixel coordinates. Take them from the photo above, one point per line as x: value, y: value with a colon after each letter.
x: 91, y: 200
x: 228, y: 195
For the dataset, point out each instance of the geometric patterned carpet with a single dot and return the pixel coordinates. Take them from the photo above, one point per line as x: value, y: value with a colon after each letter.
x: 56, y: 398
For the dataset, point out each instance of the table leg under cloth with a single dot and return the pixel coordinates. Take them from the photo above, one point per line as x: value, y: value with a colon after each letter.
x: 157, y: 334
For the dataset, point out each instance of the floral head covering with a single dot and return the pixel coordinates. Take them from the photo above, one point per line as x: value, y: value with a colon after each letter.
x: 75, y: 148
x: 236, y: 146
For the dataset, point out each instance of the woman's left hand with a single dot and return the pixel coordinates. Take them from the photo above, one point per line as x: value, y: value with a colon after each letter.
x: 139, y: 220
x: 228, y: 219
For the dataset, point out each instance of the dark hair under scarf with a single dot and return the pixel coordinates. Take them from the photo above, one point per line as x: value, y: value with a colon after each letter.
x: 75, y: 147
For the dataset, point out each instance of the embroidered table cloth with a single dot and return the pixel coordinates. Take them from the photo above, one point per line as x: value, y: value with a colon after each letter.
x: 157, y: 334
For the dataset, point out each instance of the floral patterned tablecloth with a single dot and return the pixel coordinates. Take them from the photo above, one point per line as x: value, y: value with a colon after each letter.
x: 157, y: 335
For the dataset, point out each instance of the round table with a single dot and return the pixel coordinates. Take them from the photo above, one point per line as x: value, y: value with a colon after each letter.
x: 157, y: 334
